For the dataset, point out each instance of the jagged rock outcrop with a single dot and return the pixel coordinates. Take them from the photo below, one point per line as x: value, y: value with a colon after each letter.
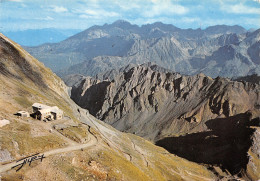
x: 154, y: 104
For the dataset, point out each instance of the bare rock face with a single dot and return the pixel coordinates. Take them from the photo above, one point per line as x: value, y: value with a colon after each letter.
x: 155, y: 104
x: 205, y: 120
x: 253, y: 153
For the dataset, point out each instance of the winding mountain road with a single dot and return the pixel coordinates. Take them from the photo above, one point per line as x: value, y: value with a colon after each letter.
x: 92, y: 141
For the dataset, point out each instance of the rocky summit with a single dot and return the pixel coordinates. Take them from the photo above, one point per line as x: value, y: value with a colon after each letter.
x: 205, y: 120
x: 221, y: 50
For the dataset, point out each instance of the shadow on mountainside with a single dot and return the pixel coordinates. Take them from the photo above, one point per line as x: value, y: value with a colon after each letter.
x: 93, y: 98
x: 226, y: 145
x: 12, y: 59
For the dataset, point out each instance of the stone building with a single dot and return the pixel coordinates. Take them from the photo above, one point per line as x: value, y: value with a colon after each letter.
x: 47, y: 113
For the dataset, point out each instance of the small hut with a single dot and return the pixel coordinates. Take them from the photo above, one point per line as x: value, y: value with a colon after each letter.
x: 23, y: 114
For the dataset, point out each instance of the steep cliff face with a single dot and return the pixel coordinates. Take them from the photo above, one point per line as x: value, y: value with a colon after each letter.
x: 155, y: 104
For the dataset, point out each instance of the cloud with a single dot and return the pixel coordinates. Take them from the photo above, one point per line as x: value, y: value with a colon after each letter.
x: 240, y: 9
x: 125, y: 5
x: 84, y: 16
x: 59, y: 9
x: 2, y: 1
x: 250, y: 21
x: 164, y: 7
x: 86, y: 13
x: 97, y: 14
x: 190, y: 20
x: 48, y: 18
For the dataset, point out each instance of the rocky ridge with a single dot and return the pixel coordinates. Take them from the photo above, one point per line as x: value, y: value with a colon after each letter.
x: 176, y: 111
x: 170, y: 100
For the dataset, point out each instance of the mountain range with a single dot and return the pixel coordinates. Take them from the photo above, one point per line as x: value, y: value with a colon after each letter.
x: 220, y: 50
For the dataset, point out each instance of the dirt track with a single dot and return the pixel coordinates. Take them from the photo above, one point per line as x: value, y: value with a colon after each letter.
x: 73, y: 147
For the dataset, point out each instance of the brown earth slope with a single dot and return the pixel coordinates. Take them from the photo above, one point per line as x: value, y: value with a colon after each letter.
x: 78, y: 147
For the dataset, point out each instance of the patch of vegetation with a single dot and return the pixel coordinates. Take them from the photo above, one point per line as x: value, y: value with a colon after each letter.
x: 14, y: 176
x: 20, y: 133
x: 127, y: 147
x: 168, y: 166
x: 74, y: 133
x: 23, y: 101
x: 121, y: 169
x: 73, y: 172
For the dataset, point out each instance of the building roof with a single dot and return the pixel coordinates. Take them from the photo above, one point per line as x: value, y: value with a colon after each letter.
x: 22, y: 112
x: 44, y: 108
x: 41, y: 106
x: 56, y: 110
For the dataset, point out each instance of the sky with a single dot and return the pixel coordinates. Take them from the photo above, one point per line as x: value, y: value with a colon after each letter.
x: 16, y: 15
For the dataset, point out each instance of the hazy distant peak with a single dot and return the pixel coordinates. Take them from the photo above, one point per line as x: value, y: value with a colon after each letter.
x: 256, y: 32
x: 121, y: 23
x: 252, y: 30
x: 253, y: 37
x: 168, y: 27
x: 222, y: 29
